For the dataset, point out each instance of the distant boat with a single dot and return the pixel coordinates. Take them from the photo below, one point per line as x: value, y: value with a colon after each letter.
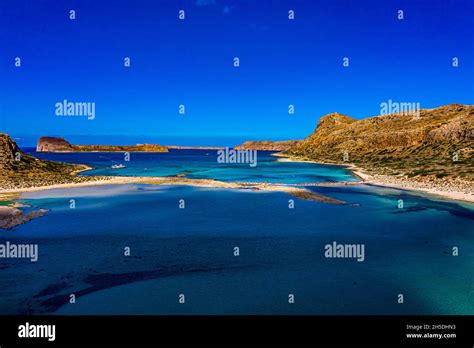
x: 118, y: 166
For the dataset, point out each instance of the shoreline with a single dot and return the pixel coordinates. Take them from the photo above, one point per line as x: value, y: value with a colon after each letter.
x: 429, y: 187
x: 300, y: 192
x: 412, y: 185
x: 11, y: 215
x: 381, y: 180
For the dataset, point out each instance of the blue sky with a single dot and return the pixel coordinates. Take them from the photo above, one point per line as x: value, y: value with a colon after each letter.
x: 190, y: 62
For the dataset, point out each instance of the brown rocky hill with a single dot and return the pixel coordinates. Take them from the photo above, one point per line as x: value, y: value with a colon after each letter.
x: 18, y: 169
x: 438, y: 142
x: 13, y: 160
x: 266, y: 145
x: 53, y: 144
x: 56, y: 144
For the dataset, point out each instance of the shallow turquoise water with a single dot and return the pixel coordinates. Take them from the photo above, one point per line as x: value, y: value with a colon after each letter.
x: 190, y: 251
x: 202, y: 164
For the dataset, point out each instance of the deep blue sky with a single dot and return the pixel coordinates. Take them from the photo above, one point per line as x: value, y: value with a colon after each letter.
x: 190, y: 62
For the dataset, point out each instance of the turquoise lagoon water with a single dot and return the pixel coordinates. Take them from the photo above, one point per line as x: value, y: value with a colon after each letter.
x: 190, y: 251
x: 202, y: 164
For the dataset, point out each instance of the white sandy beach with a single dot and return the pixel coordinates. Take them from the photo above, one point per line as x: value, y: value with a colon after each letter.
x: 439, y: 188
x: 411, y: 185
x: 299, y: 192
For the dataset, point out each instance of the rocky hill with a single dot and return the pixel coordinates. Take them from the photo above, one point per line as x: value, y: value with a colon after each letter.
x: 438, y: 142
x: 266, y: 145
x: 13, y: 160
x: 18, y: 169
x: 53, y: 144
x: 56, y: 144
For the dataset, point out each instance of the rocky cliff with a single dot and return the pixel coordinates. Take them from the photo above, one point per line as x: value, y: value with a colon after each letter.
x: 438, y: 142
x: 18, y: 169
x: 15, y: 161
x: 266, y: 145
x: 9, y: 152
x: 53, y: 144
x: 56, y: 144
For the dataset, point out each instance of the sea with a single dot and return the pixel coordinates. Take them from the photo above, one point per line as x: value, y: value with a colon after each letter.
x: 182, y: 250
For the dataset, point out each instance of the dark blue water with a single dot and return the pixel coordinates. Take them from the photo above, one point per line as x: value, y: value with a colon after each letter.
x: 190, y: 251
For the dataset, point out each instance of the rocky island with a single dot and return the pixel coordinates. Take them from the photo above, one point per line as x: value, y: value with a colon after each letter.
x: 57, y: 144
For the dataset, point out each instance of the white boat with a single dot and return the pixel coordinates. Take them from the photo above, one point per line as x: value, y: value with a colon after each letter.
x: 118, y: 166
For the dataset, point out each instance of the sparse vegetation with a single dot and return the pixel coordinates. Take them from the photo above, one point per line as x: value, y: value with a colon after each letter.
x: 440, y: 143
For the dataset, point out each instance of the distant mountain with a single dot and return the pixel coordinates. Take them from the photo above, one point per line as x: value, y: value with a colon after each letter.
x: 266, y: 145
x: 57, y: 144
x: 438, y: 142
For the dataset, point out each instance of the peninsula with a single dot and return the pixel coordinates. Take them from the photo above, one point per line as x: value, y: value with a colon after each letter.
x: 266, y: 145
x: 431, y: 152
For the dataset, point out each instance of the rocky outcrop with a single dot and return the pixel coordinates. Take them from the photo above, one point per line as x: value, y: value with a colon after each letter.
x: 9, y: 152
x: 57, y: 144
x: 15, y: 161
x: 18, y: 169
x: 53, y: 144
x: 11, y: 216
x: 437, y: 142
x: 266, y: 145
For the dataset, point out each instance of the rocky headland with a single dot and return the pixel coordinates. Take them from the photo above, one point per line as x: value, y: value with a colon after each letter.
x: 432, y: 151
x: 266, y: 145
x: 20, y: 170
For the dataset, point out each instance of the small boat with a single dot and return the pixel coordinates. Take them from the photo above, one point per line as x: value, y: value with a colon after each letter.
x: 118, y: 166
